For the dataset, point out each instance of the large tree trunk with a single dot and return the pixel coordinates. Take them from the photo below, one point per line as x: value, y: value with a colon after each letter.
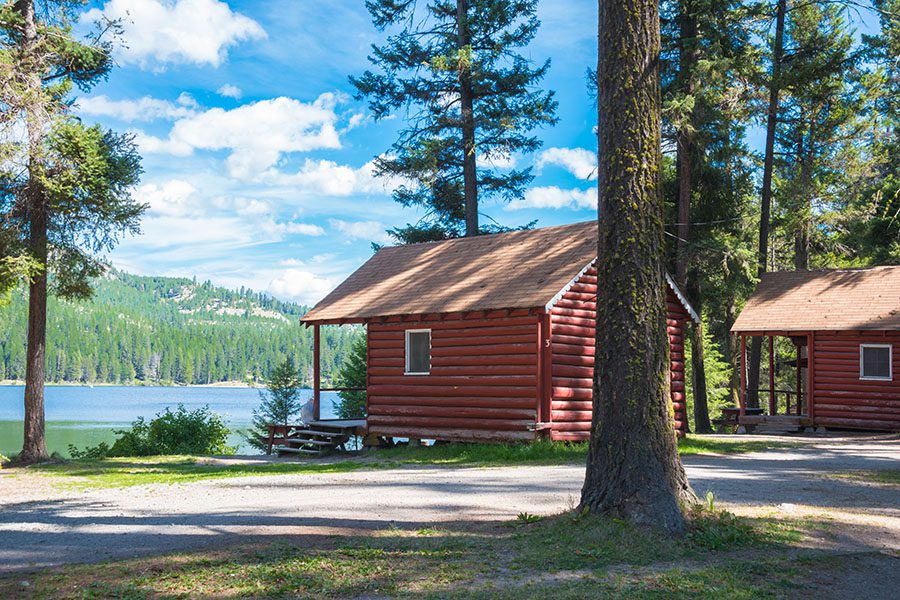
x: 689, y: 58
x: 765, y: 208
x: 34, y: 447
x: 633, y: 468
x: 470, y: 175
x: 698, y: 368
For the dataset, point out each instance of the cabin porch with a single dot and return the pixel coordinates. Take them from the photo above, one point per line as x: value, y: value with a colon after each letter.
x: 778, y: 401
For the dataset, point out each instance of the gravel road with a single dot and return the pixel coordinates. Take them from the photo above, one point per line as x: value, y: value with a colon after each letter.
x: 41, y: 527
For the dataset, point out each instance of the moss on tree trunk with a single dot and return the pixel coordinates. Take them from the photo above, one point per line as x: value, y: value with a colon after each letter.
x: 633, y: 468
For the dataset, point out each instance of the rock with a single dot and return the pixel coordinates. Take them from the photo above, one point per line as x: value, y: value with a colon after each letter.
x: 741, y: 429
x: 821, y: 430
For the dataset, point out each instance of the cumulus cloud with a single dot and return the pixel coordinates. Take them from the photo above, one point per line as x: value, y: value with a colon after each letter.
x: 230, y: 91
x: 142, y: 109
x: 256, y: 134
x: 177, y: 31
x: 580, y: 162
x: 301, y: 286
x: 173, y: 198
x: 555, y: 197
x: 329, y: 178
x: 361, y: 230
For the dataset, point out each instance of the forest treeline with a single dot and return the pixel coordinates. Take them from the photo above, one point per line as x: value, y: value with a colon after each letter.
x: 781, y: 152
x: 163, y: 330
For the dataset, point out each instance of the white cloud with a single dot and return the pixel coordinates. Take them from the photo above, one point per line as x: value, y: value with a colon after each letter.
x: 555, y: 197
x: 256, y: 134
x: 361, y: 230
x: 301, y: 286
x: 177, y: 31
x: 580, y: 162
x: 332, y: 179
x: 230, y: 91
x: 299, y: 228
x: 173, y: 198
x: 142, y: 109
x: 246, y: 207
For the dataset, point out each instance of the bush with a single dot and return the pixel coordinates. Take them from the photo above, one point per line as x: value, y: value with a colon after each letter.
x: 199, y: 431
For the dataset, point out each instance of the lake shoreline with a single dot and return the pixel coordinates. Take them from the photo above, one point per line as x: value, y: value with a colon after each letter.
x: 218, y: 384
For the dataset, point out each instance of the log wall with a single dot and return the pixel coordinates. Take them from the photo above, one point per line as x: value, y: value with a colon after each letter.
x: 483, y: 384
x: 840, y: 398
x: 572, y: 335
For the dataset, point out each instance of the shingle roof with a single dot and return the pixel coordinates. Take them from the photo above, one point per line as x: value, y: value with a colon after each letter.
x: 843, y: 299
x: 520, y: 269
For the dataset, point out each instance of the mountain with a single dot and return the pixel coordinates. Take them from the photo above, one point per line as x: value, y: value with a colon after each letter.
x: 163, y: 330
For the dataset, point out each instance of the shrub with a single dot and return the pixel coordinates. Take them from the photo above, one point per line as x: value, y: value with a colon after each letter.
x: 199, y: 431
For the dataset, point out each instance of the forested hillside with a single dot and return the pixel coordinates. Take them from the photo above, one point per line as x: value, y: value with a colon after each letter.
x: 166, y: 330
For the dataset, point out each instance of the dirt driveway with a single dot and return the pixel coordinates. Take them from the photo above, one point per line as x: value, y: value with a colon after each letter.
x: 41, y: 527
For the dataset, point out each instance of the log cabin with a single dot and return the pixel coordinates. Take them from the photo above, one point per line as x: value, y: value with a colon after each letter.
x: 844, y: 326
x: 489, y: 338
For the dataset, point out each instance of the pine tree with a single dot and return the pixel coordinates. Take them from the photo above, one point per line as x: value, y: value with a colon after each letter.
x: 66, y: 185
x: 279, y: 403
x: 455, y: 66
x: 352, y: 374
x: 633, y: 471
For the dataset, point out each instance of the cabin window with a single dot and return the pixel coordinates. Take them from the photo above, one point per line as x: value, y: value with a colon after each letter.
x: 418, y: 351
x: 875, y: 361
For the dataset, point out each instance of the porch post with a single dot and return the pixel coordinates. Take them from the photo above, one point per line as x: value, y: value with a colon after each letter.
x: 742, y: 398
x: 773, y: 407
x: 317, y: 384
x: 800, y: 378
x: 811, y: 375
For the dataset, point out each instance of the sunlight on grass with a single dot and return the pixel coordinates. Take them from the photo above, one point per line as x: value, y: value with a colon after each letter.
x: 562, y: 556
x: 122, y: 472
x: 881, y: 476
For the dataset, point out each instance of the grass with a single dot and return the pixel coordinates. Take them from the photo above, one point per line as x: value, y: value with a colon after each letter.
x: 881, y: 476
x: 123, y: 472
x: 564, y: 556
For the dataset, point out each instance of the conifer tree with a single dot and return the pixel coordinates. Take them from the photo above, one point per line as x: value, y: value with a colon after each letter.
x: 456, y: 69
x: 280, y: 402
x: 633, y: 470
x: 352, y: 374
x: 65, y: 192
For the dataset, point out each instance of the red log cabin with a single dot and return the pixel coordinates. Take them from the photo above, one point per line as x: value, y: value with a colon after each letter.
x: 845, y: 328
x: 485, y: 338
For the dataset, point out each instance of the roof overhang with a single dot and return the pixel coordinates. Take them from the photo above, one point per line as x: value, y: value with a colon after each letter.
x: 681, y: 297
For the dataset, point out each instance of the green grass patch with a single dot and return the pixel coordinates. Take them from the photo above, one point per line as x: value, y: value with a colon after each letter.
x: 563, y: 556
x: 122, y: 472
x: 881, y: 476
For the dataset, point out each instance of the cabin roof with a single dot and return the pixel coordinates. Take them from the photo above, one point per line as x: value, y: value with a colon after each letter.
x: 832, y: 300
x: 519, y: 269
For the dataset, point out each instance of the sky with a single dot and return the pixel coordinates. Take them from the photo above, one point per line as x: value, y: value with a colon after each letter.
x: 256, y: 157
x: 257, y: 160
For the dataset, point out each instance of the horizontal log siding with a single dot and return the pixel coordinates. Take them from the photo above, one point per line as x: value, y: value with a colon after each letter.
x: 573, y: 320
x: 482, y: 385
x: 841, y: 398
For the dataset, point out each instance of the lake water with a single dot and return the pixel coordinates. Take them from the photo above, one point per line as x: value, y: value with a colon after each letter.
x: 86, y: 416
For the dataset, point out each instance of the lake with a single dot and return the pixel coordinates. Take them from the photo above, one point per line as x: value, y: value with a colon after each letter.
x: 86, y: 416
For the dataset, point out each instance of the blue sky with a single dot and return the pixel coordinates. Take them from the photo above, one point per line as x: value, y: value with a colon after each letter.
x: 256, y: 157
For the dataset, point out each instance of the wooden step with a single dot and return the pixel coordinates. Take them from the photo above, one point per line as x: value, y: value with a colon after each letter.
x: 281, y: 449
x: 302, y: 441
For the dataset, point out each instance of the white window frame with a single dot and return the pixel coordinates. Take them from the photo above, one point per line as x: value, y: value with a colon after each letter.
x: 406, y: 370
x: 890, y: 349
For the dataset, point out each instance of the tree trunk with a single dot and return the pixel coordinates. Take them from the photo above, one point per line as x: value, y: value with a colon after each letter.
x: 698, y: 368
x: 689, y: 57
x: 34, y: 448
x: 801, y: 235
x: 731, y: 348
x: 467, y: 115
x: 633, y: 468
x: 765, y: 208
